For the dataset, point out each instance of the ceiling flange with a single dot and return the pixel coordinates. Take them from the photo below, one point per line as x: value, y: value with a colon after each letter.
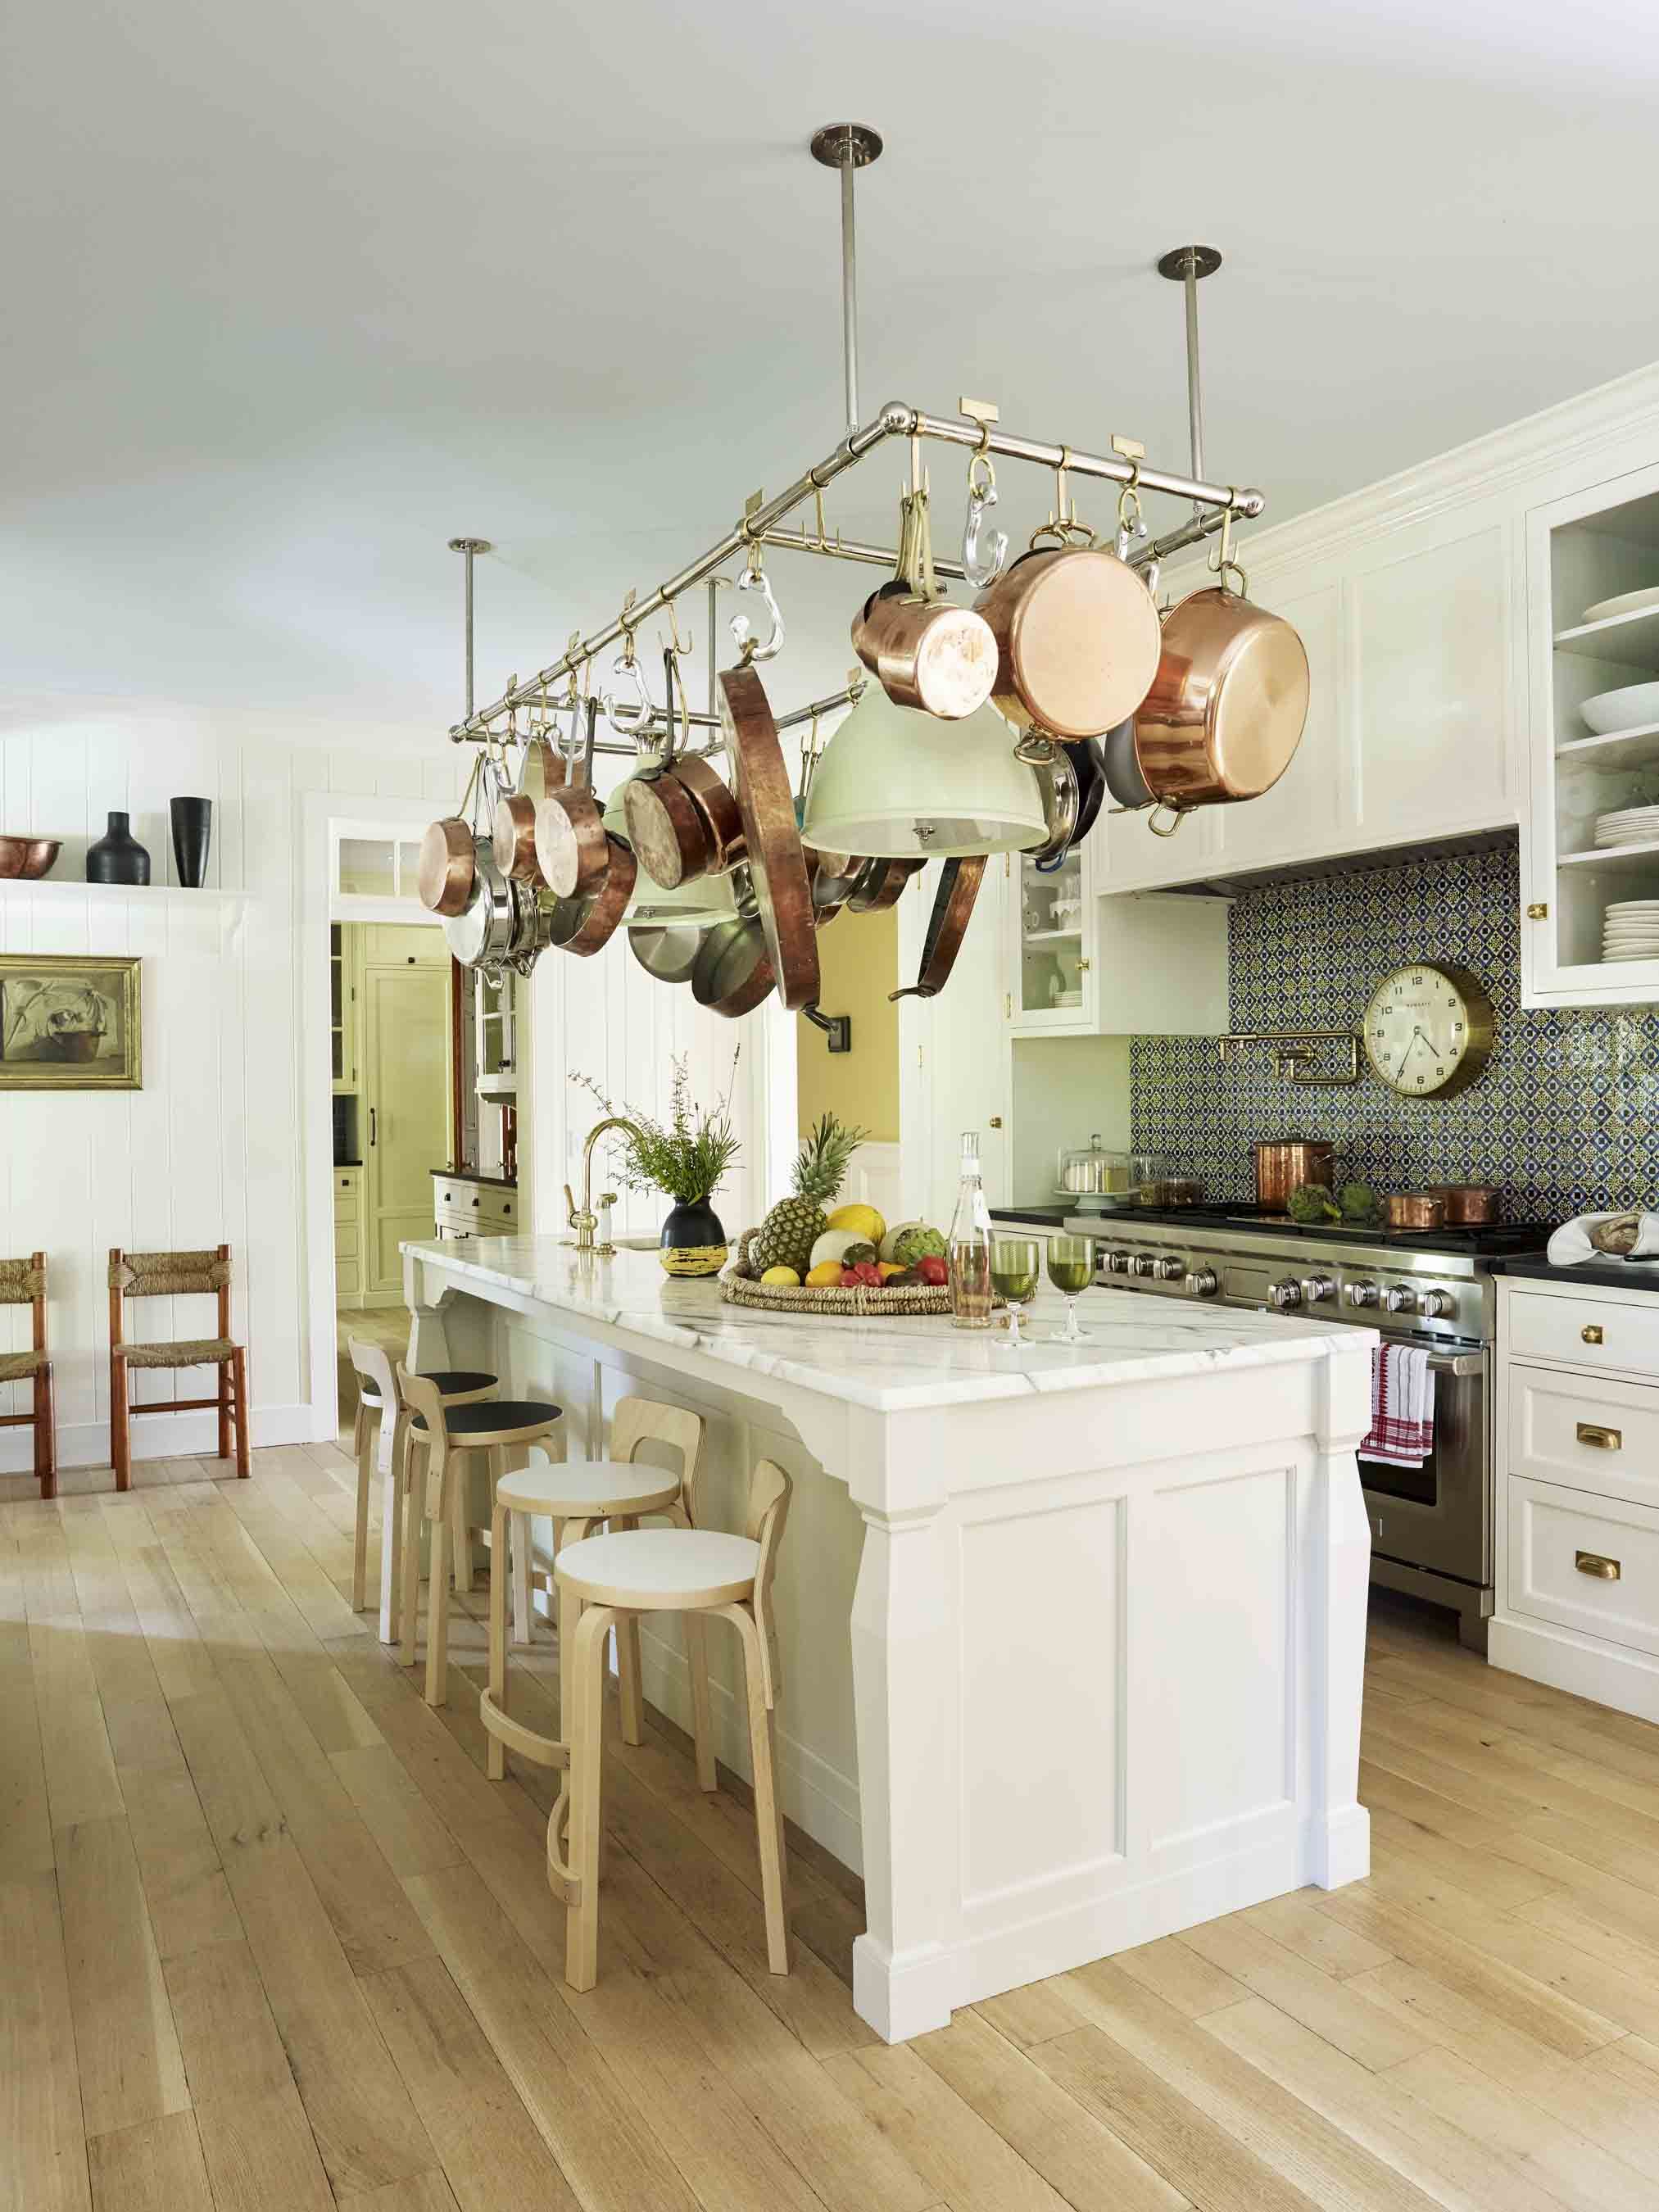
x: 470, y: 545
x: 846, y: 145
x: 1184, y: 261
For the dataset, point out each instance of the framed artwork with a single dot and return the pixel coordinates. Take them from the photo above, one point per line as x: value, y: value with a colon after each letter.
x: 70, y: 1022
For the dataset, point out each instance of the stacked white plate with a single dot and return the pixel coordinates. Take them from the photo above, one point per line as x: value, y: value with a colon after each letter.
x: 1630, y: 930
x: 1627, y: 602
x: 1630, y: 825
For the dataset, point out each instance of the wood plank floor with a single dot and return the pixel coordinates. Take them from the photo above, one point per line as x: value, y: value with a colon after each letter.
x: 272, y: 1939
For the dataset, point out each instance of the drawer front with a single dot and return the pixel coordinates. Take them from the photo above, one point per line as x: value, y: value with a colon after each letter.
x: 498, y: 1214
x: 346, y: 1239
x: 346, y: 1194
x: 1585, y: 1331
x: 1590, y: 1564
x: 1585, y: 1432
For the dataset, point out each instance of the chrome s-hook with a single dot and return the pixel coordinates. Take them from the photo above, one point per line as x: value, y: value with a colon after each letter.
x: 754, y: 579
x: 978, y: 568
x: 628, y: 721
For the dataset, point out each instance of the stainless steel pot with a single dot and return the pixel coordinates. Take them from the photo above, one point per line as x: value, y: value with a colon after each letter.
x: 498, y: 921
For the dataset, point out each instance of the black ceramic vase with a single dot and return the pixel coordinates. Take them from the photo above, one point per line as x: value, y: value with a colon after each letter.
x: 118, y: 857
x: 193, y: 831
x: 693, y: 1242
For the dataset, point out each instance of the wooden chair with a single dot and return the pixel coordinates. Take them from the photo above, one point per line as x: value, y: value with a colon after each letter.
x: 691, y: 1571
x: 577, y: 1495
x: 23, y: 1283
x: 446, y: 1438
x: 378, y: 1443
x: 175, y: 1274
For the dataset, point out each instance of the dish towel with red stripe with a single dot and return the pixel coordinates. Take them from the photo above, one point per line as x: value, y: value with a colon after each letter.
x: 1403, y: 1406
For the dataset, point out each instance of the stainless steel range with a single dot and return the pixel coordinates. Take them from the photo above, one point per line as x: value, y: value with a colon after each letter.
x: 1432, y: 1528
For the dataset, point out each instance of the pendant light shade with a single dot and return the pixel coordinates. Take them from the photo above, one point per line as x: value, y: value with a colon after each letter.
x: 897, y: 784
x: 696, y: 905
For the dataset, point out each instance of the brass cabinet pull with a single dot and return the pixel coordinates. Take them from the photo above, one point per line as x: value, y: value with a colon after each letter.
x: 996, y: 1120
x: 1591, y: 1332
x: 1592, y: 1563
x: 1538, y: 911
x: 1592, y: 1433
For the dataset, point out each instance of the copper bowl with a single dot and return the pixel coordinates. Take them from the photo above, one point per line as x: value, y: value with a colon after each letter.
x: 1415, y: 1209
x: 23, y: 859
x: 1468, y: 1205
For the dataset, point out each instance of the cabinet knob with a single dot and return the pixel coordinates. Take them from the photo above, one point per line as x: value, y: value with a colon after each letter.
x: 1538, y: 911
x: 1591, y: 1333
x: 1082, y: 967
x: 1600, y: 1439
x: 996, y: 1120
x: 1592, y: 1563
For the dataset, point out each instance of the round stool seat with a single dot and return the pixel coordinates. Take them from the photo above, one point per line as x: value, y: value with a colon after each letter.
x: 659, y: 1570
x: 452, y: 1382
x: 494, y: 1416
x: 587, y: 1489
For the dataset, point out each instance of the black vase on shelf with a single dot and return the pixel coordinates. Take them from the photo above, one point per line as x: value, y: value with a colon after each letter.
x: 192, y: 832
x: 693, y: 1242
x: 118, y: 857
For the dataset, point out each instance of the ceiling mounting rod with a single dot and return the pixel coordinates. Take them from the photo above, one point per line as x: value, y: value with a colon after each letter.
x: 848, y: 147
x: 471, y: 547
x: 1185, y: 265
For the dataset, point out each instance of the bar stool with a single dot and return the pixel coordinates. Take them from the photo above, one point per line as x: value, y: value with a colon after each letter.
x: 376, y: 1443
x: 690, y: 1572
x: 23, y: 1283
x: 575, y: 1495
x: 447, y: 1438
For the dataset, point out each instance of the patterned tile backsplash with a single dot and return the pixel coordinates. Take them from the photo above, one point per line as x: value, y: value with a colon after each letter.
x: 1565, y: 1116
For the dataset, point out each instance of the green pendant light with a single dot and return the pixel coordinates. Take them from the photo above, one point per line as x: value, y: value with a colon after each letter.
x: 897, y: 784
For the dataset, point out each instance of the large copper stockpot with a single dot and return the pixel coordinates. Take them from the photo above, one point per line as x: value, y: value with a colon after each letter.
x: 1225, y: 711
x: 1284, y: 1163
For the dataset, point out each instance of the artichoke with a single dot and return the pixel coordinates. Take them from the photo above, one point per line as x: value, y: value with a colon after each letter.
x: 1312, y: 1205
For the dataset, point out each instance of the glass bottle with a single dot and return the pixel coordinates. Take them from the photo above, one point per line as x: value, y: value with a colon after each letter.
x: 971, y: 1245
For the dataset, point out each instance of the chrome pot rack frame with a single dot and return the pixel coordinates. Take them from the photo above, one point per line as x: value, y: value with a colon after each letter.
x: 759, y: 526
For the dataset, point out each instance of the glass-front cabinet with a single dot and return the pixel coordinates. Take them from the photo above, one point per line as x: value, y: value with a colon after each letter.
x: 1051, y: 923
x: 1591, y: 862
x: 342, y: 1010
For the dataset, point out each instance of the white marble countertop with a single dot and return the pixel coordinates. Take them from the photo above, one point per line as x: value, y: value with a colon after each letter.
x: 890, y: 1366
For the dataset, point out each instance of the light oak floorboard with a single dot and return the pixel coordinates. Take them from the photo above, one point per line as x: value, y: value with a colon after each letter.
x: 155, y: 2166
x: 43, y: 2152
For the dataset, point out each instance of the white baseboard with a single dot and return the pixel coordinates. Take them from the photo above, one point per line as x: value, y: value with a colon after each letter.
x: 1624, y: 1679
x: 154, y: 1435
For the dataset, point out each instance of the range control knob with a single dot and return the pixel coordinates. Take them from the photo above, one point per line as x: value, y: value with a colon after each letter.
x: 1400, y: 1298
x: 1434, y: 1305
x: 1117, y: 1263
x: 1169, y: 1270
x: 1203, y: 1282
x: 1143, y: 1264
x: 1318, y: 1289
x: 1362, y: 1294
x: 1284, y: 1297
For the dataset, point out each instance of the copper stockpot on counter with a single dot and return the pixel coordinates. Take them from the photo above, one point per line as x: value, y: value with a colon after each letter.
x: 1286, y: 1162
x: 1415, y: 1209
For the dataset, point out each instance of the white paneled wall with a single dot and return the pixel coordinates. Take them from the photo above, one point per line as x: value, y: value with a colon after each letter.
x: 210, y: 1148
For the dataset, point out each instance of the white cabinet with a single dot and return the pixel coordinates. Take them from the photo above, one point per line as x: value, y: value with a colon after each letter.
x: 1050, y: 925
x: 955, y: 1068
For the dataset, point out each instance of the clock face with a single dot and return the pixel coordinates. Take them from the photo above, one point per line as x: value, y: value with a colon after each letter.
x: 1428, y: 1030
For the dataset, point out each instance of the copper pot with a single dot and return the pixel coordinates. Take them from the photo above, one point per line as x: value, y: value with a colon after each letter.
x: 926, y: 652
x: 1225, y: 712
x: 1468, y: 1205
x: 1286, y: 1162
x: 1415, y: 1209
x: 1078, y: 640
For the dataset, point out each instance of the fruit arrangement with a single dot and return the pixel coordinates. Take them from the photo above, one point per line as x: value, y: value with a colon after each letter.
x: 808, y: 1244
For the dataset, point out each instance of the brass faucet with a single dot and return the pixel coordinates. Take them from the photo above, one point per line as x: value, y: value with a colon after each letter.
x: 583, y: 1220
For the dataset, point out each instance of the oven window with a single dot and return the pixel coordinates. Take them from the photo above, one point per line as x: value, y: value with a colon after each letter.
x: 1417, y: 1485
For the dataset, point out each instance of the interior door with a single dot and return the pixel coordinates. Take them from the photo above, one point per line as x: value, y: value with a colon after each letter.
x: 407, y: 1105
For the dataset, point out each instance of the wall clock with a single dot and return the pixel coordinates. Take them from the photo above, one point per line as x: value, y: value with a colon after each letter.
x: 1428, y: 1030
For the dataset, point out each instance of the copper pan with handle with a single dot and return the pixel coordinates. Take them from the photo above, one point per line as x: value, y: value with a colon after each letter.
x: 1077, y: 635
x: 572, y: 849
x: 514, y: 831
x: 953, y: 909
x: 776, y: 863
x: 448, y: 862
x: 923, y: 651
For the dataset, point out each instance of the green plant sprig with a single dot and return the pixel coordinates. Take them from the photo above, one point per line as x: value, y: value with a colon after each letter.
x: 687, y: 1156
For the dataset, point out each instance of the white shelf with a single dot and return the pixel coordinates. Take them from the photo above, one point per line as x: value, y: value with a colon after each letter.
x: 1052, y: 936
x: 1628, y: 641
x: 1644, y: 856
x: 66, y: 892
x: 1637, y: 748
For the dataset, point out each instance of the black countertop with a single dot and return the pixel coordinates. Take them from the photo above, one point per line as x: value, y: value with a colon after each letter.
x: 469, y: 1175
x: 1606, y: 1273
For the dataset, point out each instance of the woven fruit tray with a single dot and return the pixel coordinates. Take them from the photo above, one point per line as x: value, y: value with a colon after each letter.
x: 740, y: 1289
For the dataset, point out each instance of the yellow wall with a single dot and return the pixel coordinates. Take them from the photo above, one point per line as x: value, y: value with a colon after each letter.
x: 858, y: 961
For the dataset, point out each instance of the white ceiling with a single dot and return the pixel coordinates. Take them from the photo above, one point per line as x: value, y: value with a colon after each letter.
x: 297, y: 293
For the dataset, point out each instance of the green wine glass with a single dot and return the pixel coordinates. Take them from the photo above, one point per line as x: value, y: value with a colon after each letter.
x: 1016, y: 1267
x: 1071, y: 1270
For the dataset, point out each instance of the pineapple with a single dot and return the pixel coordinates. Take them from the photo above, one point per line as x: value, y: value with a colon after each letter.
x: 786, y: 1238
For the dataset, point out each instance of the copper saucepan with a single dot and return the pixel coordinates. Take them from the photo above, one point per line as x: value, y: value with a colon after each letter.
x: 514, y: 831
x: 925, y: 652
x: 1078, y: 640
x: 1468, y: 1205
x: 1415, y: 1209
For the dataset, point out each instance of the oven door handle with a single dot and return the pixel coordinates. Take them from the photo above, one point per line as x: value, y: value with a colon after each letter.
x: 1459, y: 1365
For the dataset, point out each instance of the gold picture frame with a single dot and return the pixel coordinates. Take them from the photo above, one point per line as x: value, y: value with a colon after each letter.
x: 70, y: 1021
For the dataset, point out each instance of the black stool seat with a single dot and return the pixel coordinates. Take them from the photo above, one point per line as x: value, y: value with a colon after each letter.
x: 491, y: 1414
x: 452, y: 1382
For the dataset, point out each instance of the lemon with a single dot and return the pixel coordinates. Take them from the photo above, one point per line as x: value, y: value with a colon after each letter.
x: 826, y: 1276
x: 864, y: 1220
x: 782, y: 1275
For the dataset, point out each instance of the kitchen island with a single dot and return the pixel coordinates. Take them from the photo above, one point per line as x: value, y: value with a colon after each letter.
x: 1071, y: 1638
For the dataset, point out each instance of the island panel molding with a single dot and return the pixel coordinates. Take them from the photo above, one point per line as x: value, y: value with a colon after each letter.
x: 1061, y: 1672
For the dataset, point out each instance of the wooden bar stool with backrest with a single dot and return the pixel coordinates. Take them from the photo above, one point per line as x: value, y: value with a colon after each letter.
x: 23, y: 1283
x: 577, y: 1496
x: 166, y: 1275
x: 376, y: 1442
x: 690, y: 1571
x: 444, y: 1438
